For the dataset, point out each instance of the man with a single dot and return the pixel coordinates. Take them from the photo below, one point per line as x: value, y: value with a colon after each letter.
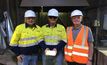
x: 25, y: 40
x: 55, y: 40
x: 79, y: 49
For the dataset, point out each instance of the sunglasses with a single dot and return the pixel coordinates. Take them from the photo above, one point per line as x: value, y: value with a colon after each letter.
x: 53, y: 17
x: 74, y: 17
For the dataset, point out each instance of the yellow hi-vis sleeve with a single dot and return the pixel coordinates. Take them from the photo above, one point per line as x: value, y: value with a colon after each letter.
x: 15, y: 37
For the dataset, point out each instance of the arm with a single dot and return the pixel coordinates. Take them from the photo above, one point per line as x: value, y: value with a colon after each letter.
x: 42, y: 42
x: 61, y: 45
x: 90, y: 51
x: 63, y: 40
x: 43, y: 45
x: 90, y: 41
x: 14, y: 41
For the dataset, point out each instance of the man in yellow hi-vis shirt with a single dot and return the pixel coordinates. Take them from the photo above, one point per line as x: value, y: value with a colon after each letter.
x: 55, y: 40
x: 25, y: 40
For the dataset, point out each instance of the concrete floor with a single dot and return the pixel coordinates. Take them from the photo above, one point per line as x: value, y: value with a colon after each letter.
x: 7, y: 58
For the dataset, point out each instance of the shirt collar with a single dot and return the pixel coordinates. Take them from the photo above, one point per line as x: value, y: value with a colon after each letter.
x: 48, y: 25
x: 27, y: 25
x: 77, y: 27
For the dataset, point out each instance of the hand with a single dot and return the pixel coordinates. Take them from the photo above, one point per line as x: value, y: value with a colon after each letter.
x: 46, y: 49
x: 19, y: 58
x: 89, y: 63
x: 55, y: 50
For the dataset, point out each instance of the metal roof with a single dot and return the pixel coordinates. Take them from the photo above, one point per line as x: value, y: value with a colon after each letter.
x: 38, y: 3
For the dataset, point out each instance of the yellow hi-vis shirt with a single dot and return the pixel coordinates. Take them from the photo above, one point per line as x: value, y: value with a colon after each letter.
x: 52, y: 35
x: 25, y: 37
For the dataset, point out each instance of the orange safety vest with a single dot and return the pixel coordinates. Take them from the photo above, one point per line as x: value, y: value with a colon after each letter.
x: 77, y: 50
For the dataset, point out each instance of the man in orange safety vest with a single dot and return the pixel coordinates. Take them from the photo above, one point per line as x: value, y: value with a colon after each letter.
x: 79, y: 49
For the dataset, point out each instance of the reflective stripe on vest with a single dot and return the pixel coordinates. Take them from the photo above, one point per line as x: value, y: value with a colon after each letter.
x: 84, y: 37
x: 75, y: 50
x: 76, y: 53
x: 77, y: 46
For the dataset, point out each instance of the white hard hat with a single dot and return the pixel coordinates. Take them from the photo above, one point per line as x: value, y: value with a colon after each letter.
x: 76, y: 13
x: 30, y: 13
x: 53, y: 12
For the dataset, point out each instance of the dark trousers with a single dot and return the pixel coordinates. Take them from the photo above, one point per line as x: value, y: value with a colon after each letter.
x: 74, y: 63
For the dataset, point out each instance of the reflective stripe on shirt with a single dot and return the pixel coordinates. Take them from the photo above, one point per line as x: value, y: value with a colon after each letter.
x: 25, y: 39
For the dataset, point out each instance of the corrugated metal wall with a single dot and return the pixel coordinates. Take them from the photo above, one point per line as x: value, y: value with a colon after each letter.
x: 10, y: 6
